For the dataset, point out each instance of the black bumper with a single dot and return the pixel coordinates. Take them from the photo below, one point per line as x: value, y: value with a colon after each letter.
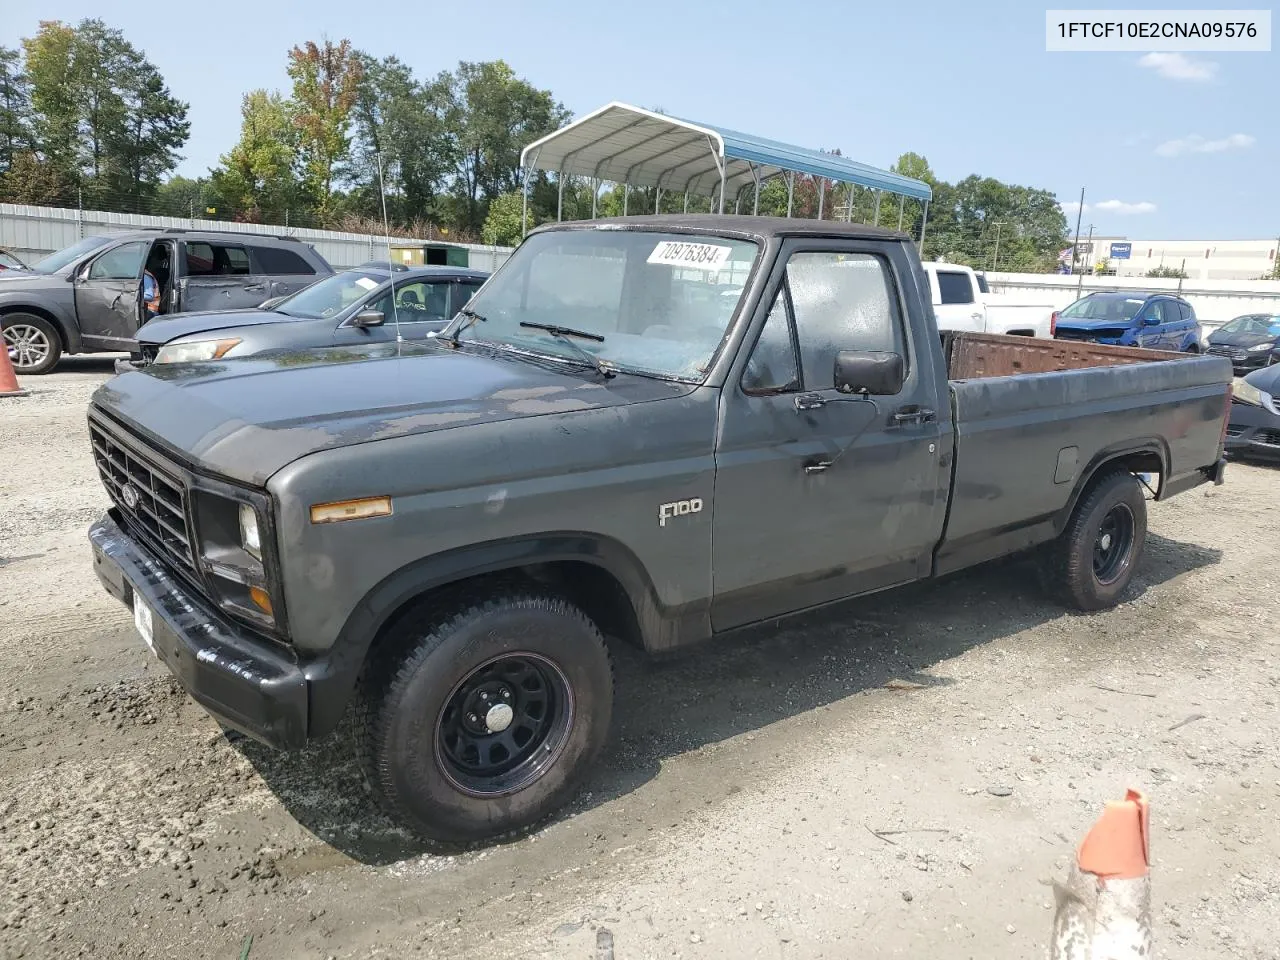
x: 1253, y: 432
x: 243, y: 681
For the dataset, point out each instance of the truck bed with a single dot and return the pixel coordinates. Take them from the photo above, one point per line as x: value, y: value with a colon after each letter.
x: 1033, y: 417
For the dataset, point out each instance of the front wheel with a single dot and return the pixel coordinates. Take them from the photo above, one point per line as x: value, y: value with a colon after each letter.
x: 1094, y: 559
x: 486, y: 717
x: 33, y: 342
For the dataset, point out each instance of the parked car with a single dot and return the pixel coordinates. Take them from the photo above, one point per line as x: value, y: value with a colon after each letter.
x: 1249, y: 342
x: 87, y: 298
x: 1157, y: 321
x: 446, y: 531
x: 1254, y: 429
x: 9, y: 261
x: 352, y: 307
x: 962, y: 300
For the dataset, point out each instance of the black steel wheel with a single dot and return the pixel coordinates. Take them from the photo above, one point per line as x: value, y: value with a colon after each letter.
x: 1092, y: 562
x: 480, y: 717
x: 1113, y: 545
x: 504, y: 724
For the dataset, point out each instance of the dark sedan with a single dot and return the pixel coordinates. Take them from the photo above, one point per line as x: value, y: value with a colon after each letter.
x: 1249, y: 342
x: 1254, y: 429
x: 367, y: 304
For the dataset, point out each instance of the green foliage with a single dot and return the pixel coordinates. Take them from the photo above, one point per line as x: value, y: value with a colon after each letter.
x: 100, y: 113
x: 254, y: 181
x: 1166, y: 273
x: 326, y: 79
x: 15, y: 107
x: 502, y: 225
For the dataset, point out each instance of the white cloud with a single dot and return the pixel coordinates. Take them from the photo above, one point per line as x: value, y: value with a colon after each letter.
x: 1194, y: 143
x: 1124, y: 207
x: 1072, y: 207
x: 1176, y: 66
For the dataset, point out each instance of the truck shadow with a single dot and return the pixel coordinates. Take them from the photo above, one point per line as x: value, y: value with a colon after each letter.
x: 734, y: 685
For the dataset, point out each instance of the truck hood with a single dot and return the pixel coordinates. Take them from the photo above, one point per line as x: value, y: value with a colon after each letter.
x: 163, y: 329
x: 245, y: 419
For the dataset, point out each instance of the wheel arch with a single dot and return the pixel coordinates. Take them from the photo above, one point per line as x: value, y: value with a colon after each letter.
x: 67, y: 331
x: 599, y: 574
x: 1149, y: 455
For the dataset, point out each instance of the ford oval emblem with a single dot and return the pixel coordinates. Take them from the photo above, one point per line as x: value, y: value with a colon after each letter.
x: 129, y: 496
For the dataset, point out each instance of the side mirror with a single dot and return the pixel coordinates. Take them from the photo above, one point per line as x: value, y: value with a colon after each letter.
x: 368, y: 318
x: 869, y: 372
x: 1151, y: 320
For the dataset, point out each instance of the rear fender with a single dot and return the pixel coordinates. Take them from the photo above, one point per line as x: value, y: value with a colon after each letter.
x: 1147, y: 455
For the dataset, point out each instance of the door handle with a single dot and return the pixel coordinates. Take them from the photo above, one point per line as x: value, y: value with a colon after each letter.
x: 914, y: 415
x: 809, y: 401
x: 256, y: 288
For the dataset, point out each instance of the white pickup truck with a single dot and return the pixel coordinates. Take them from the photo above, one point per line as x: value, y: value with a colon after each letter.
x: 962, y: 301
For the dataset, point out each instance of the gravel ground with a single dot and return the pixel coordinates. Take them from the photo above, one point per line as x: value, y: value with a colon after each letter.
x: 768, y: 796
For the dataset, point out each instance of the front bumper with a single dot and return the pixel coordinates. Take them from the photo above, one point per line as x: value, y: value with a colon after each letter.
x: 1253, y: 431
x: 243, y: 681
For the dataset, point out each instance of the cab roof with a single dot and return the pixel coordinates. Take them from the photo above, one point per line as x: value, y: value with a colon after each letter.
x: 726, y: 224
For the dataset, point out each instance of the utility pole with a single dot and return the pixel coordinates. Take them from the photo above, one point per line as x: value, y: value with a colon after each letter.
x: 996, y: 258
x: 1075, y: 250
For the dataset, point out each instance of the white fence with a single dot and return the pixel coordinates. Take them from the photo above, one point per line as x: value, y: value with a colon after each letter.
x: 1215, y: 301
x: 35, y: 232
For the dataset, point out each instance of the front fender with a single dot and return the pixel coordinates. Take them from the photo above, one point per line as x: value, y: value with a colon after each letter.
x: 331, y: 679
x: 60, y: 315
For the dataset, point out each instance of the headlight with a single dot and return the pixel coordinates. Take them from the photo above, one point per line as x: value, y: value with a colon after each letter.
x: 1259, y: 347
x: 1246, y: 392
x: 249, y: 536
x: 195, y: 352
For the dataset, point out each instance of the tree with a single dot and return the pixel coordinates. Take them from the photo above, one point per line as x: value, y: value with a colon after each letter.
x: 503, y: 226
x: 254, y: 180
x: 326, y: 80
x: 101, y: 113
x: 1166, y: 273
x: 30, y: 180
x: 402, y: 121
x: 493, y: 115
x: 15, y: 107
x: 182, y: 197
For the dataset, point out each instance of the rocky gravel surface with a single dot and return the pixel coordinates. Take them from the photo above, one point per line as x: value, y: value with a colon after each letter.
x: 899, y: 777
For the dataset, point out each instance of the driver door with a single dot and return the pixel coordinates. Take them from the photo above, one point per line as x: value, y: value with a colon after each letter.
x: 106, y: 294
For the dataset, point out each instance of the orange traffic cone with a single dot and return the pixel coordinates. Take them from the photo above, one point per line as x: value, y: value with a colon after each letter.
x: 1104, y: 909
x: 8, y: 380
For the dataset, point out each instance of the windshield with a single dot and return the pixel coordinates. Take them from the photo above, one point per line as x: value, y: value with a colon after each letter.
x: 648, y: 303
x: 330, y: 296
x: 1119, y: 309
x: 56, y: 261
x: 1262, y: 324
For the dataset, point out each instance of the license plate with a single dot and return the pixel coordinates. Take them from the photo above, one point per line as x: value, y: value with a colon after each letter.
x: 142, y: 620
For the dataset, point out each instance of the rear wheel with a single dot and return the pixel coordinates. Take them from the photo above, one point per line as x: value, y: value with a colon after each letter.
x: 33, y: 342
x: 1093, y: 561
x: 483, y: 719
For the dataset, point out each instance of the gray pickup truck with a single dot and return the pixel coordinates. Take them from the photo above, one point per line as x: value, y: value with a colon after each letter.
x: 652, y: 429
x: 87, y: 298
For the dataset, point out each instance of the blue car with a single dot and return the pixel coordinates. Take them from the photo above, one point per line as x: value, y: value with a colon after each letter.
x: 1157, y: 321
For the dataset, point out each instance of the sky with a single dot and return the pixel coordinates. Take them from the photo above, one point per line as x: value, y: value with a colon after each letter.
x: 1170, y: 146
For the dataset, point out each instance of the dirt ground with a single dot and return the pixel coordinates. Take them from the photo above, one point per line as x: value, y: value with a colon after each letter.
x: 767, y: 796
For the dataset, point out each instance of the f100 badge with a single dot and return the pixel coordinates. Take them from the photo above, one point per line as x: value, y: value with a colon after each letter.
x: 678, y: 508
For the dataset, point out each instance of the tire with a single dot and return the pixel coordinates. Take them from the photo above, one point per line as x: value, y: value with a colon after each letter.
x: 37, y: 340
x: 1094, y: 559
x: 434, y: 744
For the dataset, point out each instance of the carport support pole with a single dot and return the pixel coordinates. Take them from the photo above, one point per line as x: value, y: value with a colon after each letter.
x: 791, y: 189
x: 524, y: 203
x: 924, y: 223
x: 626, y: 197
x: 755, y: 205
x: 560, y: 196
x: 595, y: 195
x: 686, y: 201
x: 657, y: 199
x: 878, y: 192
x: 722, y: 166
x: 902, y: 206
x: 822, y: 196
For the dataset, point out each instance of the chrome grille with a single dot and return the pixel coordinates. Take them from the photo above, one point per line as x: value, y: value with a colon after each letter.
x: 152, y: 500
x: 1270, y: 437
x: 1222, y: 350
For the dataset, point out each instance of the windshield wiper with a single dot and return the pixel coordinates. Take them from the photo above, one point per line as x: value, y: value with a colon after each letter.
x: 471, y: 318
x: 565, y: 335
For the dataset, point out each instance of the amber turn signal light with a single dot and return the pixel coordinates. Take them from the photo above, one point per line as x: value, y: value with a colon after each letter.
x: 361, y: 509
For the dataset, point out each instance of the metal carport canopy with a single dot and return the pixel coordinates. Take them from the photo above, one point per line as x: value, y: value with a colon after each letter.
x: 639, y: 148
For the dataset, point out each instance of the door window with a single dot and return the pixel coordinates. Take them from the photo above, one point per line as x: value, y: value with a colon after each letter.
x: 773, y: 367
x: 954, y: 287
x: 415, y: 302
x: 275, y: 262
x: 217, y: 260
x: 121, y: 263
